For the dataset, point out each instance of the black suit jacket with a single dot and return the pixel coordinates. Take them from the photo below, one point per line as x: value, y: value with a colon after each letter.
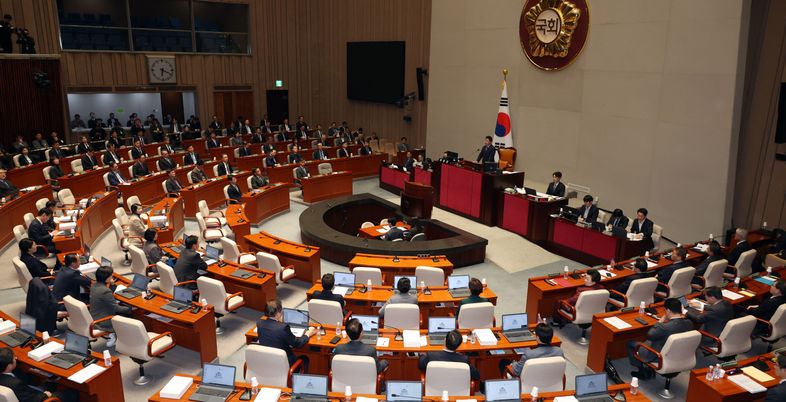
x: 140, y: 169
x: 621, y: 222
x: 166, y: 164
x: 487, y: 154
x: 7, y: 188
x: 137, y: 152
x: 190, y: 158
x: 25, y: 162
x: 277, y: 335
x: 211, y: 143
x: 767, y: 308
x: 737, y: 251
x: 319, y: 155
x: 714, y: 317
x: 167, y: 148
x: 173, y: 185
x: 257, y: 139
x: 270, y: 161
x: 243, y: 151
x: 187, y: 266
x: 233, y: 191
x: 34, y: 265
x: 328, y: 295
x: 556, y: 190
x: 39, y: 233
x: 56, y: 153
x: 89, y: 163
x: 196, y: 177
x: 358, y: 348
x: 267, y: 148
x: 258, y: 181
x: 294, y: 158
x: 624, y: 286
x: 776, y: 393
x: 115, y: 141
x: 659, y: 333
x: 114, y: 181
x: 83, y: 148
x: 108, y: 158
x: 224, y: 170
x: 646, y: 227
x: 409, y: 163
x: 664, y: 275
x: 702, y: 268
x: 23, y: 392
x: 69, y: 282
x: 366, y: 151
x: 446, y: 356
x: 593, y: 213
x: 343, y: 153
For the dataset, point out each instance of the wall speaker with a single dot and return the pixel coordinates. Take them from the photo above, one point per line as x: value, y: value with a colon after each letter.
x: 780, y: 130
x: 420, y: 72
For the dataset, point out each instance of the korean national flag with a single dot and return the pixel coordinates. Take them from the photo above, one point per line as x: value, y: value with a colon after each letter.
x: 503, y: 136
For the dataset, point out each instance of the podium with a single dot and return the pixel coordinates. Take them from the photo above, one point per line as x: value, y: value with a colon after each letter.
x: 417, y: 200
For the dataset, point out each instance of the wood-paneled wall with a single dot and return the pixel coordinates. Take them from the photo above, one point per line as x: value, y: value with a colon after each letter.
x: 302, y: 42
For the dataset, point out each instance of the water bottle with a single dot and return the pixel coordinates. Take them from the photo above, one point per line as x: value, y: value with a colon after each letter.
x: 338, y: 328
x: 107, y: 359
x: 483, y: 282
x: 769, y: 270
x: 534, y: 394
x: 471, y: 338
x: 764, y: 225
x: 642, y: 306
x: 368, y: 285
x: 45, y: 337
x: 422, y: 284
x: 348, y: 393
x: 254, y: 386
x: 708, y: 376
x: 646, y: 254
x: 565, y: 272
x: 148, y: 291
x: 445, y: 396
x: 711, y: 237
x: 634, y: 386
x: 737, y: 282
x: 204, y: 303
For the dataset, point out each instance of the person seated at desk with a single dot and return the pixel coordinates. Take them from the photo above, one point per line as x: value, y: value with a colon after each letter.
x: 172, y: 183
x: 395, y: 231
x: 301, y: 172
x: 189, y: 263
x: 15, y: 380
x: 357, y: 348
x: 327, y: 290
x: 544, y: 335
x: 114, y: 138
x: 37, y: 269
x: 244, y: 150
x: 39, y: 142
x: 224, y: 168
x: 236, y: 140
x: 366, y: 148
x: 617, y: 219
x: 257, y: 179
x: 268, y: 146
x: 591, y: 282
x: 97, y: 133
x: 89, y: 161
x: 191, y: 157
x: 55, y: 172
x: 767, y: 308
x: 301, y: 133
x: 588, y: 213
x: 258, y: 137
x: 152, y: 250
x: 403, y: 146
x: 672, y: 322
x: 714, y: 253
x: 212, y: 142
x: 319, y: 153
x: 475, y: 289
x: 165, y: 162
x: 137, y: 151
x: 400, y: 296
x: 7, y: 189
x: 556, y: 188
x: 741, y: 245
x: 270, y: 159
x: 409, y: 162
x: 717, y: 312
x: 274, y: 333
x: 84, y: 145
x: 39, y: 232
x: 56, y: 152
x: 678, y: 255
x: 343, y: 152
x: 642, y: 225
x: 103, y: 303
x: 449, y: 354
x: 51, y: 224
x: 110, y: 156
x: 115, y: 178
x: 69, y: 281
x: 281, y: 135
x: 25, y: 159
x: 166, y: 146
x: 140, y: 167
x: 778, y: 392
x: 233, y: 191
x: 640, y: 267
x: 197, y: 174
x: 136, y: 225
x: 294, y: 156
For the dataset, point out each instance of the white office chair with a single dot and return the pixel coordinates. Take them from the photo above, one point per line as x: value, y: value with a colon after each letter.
x: 475, y: 315
x: 216, y: 295
x: 271, y: 262
x: 366, y: 224
x: 679, y: 283
x: 358, y: 372
x: 588, y: 304
x: 713, y: 276
x: 431, y: 276
x: 603, y: 216
x: 189, y: 178
x: 657, y: 234
x: 248, y: 182
x: 546, y: 373
x: 80, y: 321
x: 215, y: 170
x: 209, y: 235
x: 47, y: 177
x: 163, y: 187
x: 131, y: 201
x: 325, y: 168
x: 15, y: 158
x: 122, y: 216
x: 134, y: 341
x: 325, y: 311
x: 41, y: 203
x: 383, y: 221
x: 677, y: 355
x: 139, y: 263
x: 105, y: 177
x: 213, y: 218
x: 232, y: 253
x: 66, y: 197
x: 270, y: 366
x: 743, y: 267
x: 364, y: 274
x: 776, y: 327
x: 19, y: 233
x: 23, y: 275
x: 640, y: 290
x: 452, y: 377
x: 124, y: 241
x: 735, y: 338
x: 402, y: 316
x: 28, y: 219
x: 76, y: 166
x: 418, y: 237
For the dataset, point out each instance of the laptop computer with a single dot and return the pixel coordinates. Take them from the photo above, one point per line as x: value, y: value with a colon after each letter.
x: 178, y: 248
x: 370, y: 328
x: 297, y: 320
x: 211, y: 255
x: 413, y: 282
x: 218, y: 382
x: 309, y: 388
x: 503, y: 390
x: 26, y: 331
x: 593, y: 388
x: 76, y: 350
x: 458, y: 286
x: 403, y: 391
x: 438, y: 328
x: 105, y: 262
x: 138, y: 285
x: 530, y: 191
x: 181, y: 302
x: 515, y: 329
x: 344, y: 279
x: 569, y: 213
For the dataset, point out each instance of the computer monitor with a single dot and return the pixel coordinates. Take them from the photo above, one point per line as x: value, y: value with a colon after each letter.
x: 370, y: 322
x: 441, y: 324
x: 344, y: 279
x: 413, y: 281
x: 490, y: 166
x: 307, y: 384
x: 408, y: 391
x: 183, y: 294
x: 592, y: 384
x: 105, y: 262
x: 514, y: 321
x: 530, y: 191
x: 185, y: 236
x: 140, y: 282
x: 502, y: 390
x: 212, y: 252
x: 76, y: 343
x: 218, y: 374
x: 27, y: 324
x: 458, y: 281
x: 295, y: 317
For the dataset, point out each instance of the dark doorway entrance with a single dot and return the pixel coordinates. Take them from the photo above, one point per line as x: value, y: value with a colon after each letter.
x: 277, y: 105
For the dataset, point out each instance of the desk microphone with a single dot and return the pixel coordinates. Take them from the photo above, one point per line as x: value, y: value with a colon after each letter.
x: 321, y: 326
x: 395, y: 258
x: 399, y: 333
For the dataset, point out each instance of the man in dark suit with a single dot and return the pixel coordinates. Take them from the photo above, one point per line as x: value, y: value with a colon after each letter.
x: 140, y: 167
x: 137, y: 151
x: 56, y: 152
x: 366, y: 149
x: 270, y: 159
x: 166, y: 146
x: 678, y: 255
x: 319, y: 153
x: 83, y: 146
x: 25, y: 158
x: 257, y: 138
x: 640, y: 265
x: 269, y: 146
x: 37, y: 268
x: 189, y: 262
x: 767, y: 308
x: 114, y: 138
x: 257, y: 179
x: 14, y: 380
x: 165, y: 162
x: 357, y: 348
x: 215, y: 124
x: 139, y: 137
x: 672, y: 322
x: 172, y: 183
x: 212, y: 142
x: 301, y: 172
x: 778, y: 392
x: 588, y: 213
x: 714, y: 253
x: 39, y: 232
x: 488, y: 153
x: 618, y: 219
x: 409, y: 162
x: 115, y: 178
x: 294, y: 155
x: 191, y: 157
x: 642, y: 225
x: 274, y: 333
x: 224, y: 168
x: 89, y: 161
x: 327, y: 290
x: 741, y: 245
x: 245, y: 150
x: 717, y: 312
x: 7, y: 189
x: 556, y: 188
x: 233, y: 191
x: 69, y: 281
x: 110, y: 156
x: 448, y: 354
x: 281, y: 135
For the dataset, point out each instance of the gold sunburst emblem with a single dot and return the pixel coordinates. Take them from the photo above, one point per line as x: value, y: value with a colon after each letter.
x: 550, y: 26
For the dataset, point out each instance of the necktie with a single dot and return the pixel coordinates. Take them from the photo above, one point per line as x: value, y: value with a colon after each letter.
x: 120, y: 178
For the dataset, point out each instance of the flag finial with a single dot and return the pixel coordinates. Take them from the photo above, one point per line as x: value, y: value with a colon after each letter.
x: 505, y: 74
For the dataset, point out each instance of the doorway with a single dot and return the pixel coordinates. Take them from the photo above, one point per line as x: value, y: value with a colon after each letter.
x: 277, y: 105
x: 229, y: 105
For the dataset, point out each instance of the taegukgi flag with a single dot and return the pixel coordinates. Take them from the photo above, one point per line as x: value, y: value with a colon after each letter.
x: 503, y: 136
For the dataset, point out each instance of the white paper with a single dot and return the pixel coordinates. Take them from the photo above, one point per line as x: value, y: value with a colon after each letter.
x: 651, y: 264
x: 6, y: 327
x: 411, y: 338
x: 87, y: 373
x: 605, y: 274
x: 383, y: 342
x: 88, y: 268
x: 61, y: 219
x: 176, y: 387
x: 67, y: 225
x: 569, y: 398
x: 702, y: 247
x: 340, y: 290
x: 268, y: 395
x: 484, y: 336
x: 731, y: 295
x: 298, y: 332
x: 383, y: 231
x: 365, y: 399
x: 45, y: 351
x: 423, y: 341
x: 616, y: 322
x: 120, y: 288
x: 158, y: 218
x: 747, y: 383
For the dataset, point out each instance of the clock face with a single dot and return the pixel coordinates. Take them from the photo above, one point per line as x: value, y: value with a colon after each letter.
x: 162, y: 69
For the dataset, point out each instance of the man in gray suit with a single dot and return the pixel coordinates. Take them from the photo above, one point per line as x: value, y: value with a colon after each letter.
x: 716, y: 314
x: 401, y: 295
x: 357, y: 348
x: 672, y: 322
x: 778, y: 392
x: 104, y: 304
x: 544, y: 348
x: 172, y: 183
x: 301, y: 172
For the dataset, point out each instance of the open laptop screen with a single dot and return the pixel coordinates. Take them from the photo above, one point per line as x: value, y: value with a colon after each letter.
x: 295, y: 317
x: 441, y: 324
x: 218, y: 374
x: 212, y: 252
x: 514, y: 321
x: 140, y: 282
x: 27, y: 324
x: 501, y: 390
x: 344, y: 279
x: 591, y: 384
x: 413, y: 281
x: 105, y: 262
x: 370, y: 322
x: 76, y: 343
x: 458, y: 281
x: 183, y: 294
x: 305, y: 384
x: 404, y: 391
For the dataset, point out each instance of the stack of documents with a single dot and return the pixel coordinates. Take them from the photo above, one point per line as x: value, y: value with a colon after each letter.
x: 176, y: 387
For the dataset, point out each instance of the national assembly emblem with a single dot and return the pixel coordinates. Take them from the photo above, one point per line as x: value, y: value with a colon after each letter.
x: 553, y: 32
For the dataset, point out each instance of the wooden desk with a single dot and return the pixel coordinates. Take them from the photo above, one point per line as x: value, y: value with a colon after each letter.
x: 95, y: 219
x: 238, y: 222
x: 360, y: 166
x: 266, y: 201
x: 440, y: 303
x: 401, y: 157
x: 305, y: 258
x: 28, y: 176
x: 723, y: 390
x: 528, y: 215
x: 542, y: 297
x: 392, y: 179
x: 102, y: 387
x: 191, y: 331
x: 173, y: 209
x: 591, y: 247
x: 324, y: 187
x: 211, y: 190
x: 404, y: 266
x: 422, y: 176
x: 12, y: 212
x: 373, y: 232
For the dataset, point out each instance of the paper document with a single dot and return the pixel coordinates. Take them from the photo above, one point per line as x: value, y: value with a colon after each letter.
x: 67, y: 225
x: 569, y: 398
x: 757, y: 374
x: 268, y: 395
x: 298, y: 332
x: 383, y: 231
x: 383, y: 342
x: 365, y: 399
x: 651, y: 264
x: 340, y: 290
x: 606, y: 274
x: 731, y: 295
x: 89, y: 267
x: 616, y: 322
x: 176, y: 387
x: 7, y: 326
x: 87, y: 373
x: 120, y: 288
x: 746, y: 383
x: 702, y: 247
